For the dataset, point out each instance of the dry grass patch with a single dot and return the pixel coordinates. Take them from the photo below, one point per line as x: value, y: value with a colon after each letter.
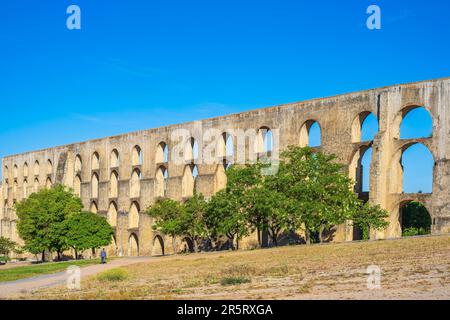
x: 316, y: 271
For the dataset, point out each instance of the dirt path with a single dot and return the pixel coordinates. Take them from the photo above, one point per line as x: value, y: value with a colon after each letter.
x: 23, y: 286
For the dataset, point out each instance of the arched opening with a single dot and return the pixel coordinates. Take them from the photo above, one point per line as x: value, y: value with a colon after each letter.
x: 191, y: 150
x: 188, y: 182
x: 416, y: 169
x: 94, y: 186
x: 112, y: 214
x: 162, y: 153
x: 161, y: 182
x: 95, y: 161
x: 78, y: 163
x: 36, y: 185
x: 311, y: 134
x: 49, y: 167
x: 136, y: 159
x: 114, y: 185
x: 94, y: 207
x: 413, y: 122
x: 25, y: 188
x: 48, y: 183
x: 264, y: 140
x: 15, y: 187
x: 133, y: 245
x: 364, y: 127
x: 114, y: 161
x: 187, y: 246
x: 36, y: 168
x: 135, y: 183
x: 359, y: 169
x: 133, y: 216
x: 15, y: 171
x: 25, y: 170
x: 158, y: 246
x: 77, y: 185
x: 414, y: 219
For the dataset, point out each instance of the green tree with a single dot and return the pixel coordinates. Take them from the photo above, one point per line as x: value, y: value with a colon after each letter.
x: 319, y: 188
x: 192, y: 219
x: 369, y: 217
x: 167, y: 215
x: 42, y: 216
x: 86, y: 230
x: 415, y: 219
x: 224, y: 217
x: 6, y: 247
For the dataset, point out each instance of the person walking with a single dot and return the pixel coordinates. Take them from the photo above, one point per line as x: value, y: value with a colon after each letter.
x: 103, y: 256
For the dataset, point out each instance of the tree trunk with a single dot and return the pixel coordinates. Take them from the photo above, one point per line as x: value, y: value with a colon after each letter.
x: 321, y: 229
x: 59, y: 255
x: 307, y: 236
x: 237, y: 243
x: 259, y: 237
x: 43, y: 256
x: 195, y: 245
x: 174, y: 245
x: 76, y: 254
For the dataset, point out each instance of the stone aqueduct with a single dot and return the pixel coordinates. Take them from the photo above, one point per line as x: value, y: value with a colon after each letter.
x: 120, y: 176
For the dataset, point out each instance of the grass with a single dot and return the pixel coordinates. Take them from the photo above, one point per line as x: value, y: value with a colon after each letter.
x: 231, y: 281
x: 35, y: 270
x: 335, y: 271
x: 117, y: 274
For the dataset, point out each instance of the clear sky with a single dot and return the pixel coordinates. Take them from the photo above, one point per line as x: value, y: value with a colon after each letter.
x: 139, y: 64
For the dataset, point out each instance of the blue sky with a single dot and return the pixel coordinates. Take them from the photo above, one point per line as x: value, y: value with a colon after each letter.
x: 139, y: 64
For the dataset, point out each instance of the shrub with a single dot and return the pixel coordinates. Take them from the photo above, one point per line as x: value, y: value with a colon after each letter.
x: 230, y: 281
x: 117, y: 274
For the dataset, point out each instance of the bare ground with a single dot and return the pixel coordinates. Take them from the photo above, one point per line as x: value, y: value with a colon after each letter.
x: 414, y: 268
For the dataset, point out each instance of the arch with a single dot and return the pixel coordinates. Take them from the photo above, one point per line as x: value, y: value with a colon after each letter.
x: 15, y: 188
x: 188, y: 182
x: 25, y: 170
x: 264, y: 140
x: 114, y: 160
x: 133, y: 245
x: 187, y: 246
x: 78, y: 163
x: 162, y: 176
x: 94, y: 186
x: 48, y: 183
x: 364, y: 127
x: 133, y: 216
x: 25, y: 188
x: 77, y: 185
x: 93, y: 208
x: 311, y: 134
x: 135, y: 183
x: 414, y: 219
x: 49, y: 167
x: 15, y: 171
x: 191, y: 150
x: 36, y: 185
x: 95, y: 165
x: 111, y: 215
x: 36, y: 168
x: 114, y: 185
x: 162, y: 153
x: 413, y: 121
x: 158, y: 246
x: 136, y: 158
x: 359, y: 169
x: 416, y: 168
